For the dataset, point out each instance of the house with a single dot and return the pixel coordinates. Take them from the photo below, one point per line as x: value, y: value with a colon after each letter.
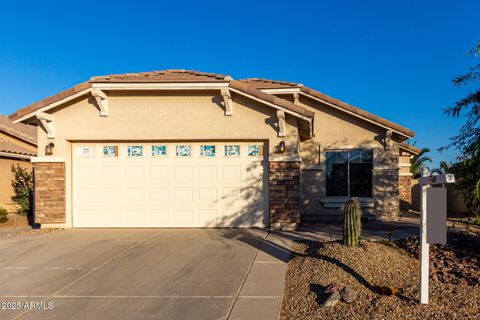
x: 180, y: 148
x: 18, y: 144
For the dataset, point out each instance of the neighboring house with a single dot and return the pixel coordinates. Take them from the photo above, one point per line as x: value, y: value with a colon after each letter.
x: 180, y: 148
x: 18, y: 143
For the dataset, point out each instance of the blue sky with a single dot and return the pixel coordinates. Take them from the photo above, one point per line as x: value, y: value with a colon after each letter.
x: 395, y: 59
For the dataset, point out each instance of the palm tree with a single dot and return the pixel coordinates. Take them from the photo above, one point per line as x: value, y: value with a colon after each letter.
x: 417, y: 161
x: 442, y: 169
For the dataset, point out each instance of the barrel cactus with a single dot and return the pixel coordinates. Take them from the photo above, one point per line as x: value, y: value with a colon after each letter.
x: 352, y: 226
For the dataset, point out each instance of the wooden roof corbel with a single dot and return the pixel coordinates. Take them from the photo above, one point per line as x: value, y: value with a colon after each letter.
x: 102, y: 101
x: 47, y: 122
x: 227, y: 99
x: 281, y: 123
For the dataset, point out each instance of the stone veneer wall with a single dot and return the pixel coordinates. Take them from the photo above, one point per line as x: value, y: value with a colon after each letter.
x: 386, y: 184
x: 49, y: 196
x: 284, y: 194
x: 405, y: 189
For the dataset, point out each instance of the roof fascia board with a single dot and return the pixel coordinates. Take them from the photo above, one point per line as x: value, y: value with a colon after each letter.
x: 15, y: 155
x: 281, y: 90
x: 271, y: 104
x: 52, y: 105
x: 160, y: 86
x: 407, y: 149
x: 355, y: 115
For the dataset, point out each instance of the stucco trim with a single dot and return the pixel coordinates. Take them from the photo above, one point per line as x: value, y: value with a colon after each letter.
x: 404, y: 174
x: 14, y: 155
x: 47, y: 159
x: 161, y: 86
x: 285, y: 159
x: 338, y: 202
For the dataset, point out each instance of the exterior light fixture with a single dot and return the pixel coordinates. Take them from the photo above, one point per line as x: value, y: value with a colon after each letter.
x: 49, y: 149
x: 281, y: 147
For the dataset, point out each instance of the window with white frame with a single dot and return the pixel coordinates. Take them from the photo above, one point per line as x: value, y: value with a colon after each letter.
x: 349, y: 173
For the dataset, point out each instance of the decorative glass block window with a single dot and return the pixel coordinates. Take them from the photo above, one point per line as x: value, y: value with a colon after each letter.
x: 349, y: 173
x: 232, y: 150
x: 255, y: 150
x: 135, y: 151
x: 159, y: 151
x: 183, y: 151
x: 85, y: 152
x: 110, y: 151
x: 207, y: 151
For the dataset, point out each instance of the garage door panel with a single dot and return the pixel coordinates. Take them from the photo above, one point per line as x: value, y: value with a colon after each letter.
x: 183, y: 173
x: 87, y: 194
x: 110, y: 194
x: 135, y: 194
x: 111, y: 217
x: 89, y: 172
x: 207, y: 194
x: 159, y: 216
x: 134, y: 172
x: 183, y: 193
x: 183, y: 217
x: 109, y: 171
x: 159, y: 173
x: 159, y: 193
x: 207, y: 173
x: 116, y: 190
x: 232, y: 172
x: 207, y: 217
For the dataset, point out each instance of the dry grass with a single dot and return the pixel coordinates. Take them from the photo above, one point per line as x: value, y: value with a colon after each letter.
x: 318, y: 264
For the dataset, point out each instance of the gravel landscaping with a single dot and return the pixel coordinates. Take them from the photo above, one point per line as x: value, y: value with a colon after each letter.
x: 317, y: 267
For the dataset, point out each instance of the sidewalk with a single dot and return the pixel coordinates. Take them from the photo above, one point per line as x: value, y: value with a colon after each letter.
x: 262, y: 292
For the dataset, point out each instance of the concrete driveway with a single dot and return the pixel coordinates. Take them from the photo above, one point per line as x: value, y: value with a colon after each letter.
x: 144, y: 274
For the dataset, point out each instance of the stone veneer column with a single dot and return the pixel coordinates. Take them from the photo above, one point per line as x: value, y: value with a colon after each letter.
x: 49, y: 192
x: 284, y: 194
x: 405, y: 189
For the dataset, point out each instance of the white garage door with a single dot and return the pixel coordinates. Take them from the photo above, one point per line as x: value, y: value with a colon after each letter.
x: 168, y: 184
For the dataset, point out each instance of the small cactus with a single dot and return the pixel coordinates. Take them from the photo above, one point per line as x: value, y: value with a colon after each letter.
x: 352, y: 226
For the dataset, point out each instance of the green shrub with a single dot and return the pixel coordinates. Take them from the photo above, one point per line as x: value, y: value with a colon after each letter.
x: 22, y: 184
x: 3, y: 215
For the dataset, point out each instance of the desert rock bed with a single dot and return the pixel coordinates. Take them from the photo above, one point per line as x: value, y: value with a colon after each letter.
x: 458, y: 262
x: 316, y: 265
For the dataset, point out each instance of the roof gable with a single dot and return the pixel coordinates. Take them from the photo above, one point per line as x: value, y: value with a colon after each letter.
x: 263, y: 84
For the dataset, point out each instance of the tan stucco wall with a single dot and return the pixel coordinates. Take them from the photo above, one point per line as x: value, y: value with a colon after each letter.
x: 6, y: 190
x: 337, y: 130
x: 164, y: 116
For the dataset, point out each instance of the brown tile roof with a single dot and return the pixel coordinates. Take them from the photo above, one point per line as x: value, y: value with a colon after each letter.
x: 163, y: 76
x: 267, y: 84
x: 11, y: 147
x: 246, y: 88
x: 49, y: 100
x: 409, y: 148
x: 19, y: 130
x: 270, y: 84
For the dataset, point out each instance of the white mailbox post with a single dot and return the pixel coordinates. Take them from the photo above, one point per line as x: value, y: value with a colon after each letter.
x: 433, y: 218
